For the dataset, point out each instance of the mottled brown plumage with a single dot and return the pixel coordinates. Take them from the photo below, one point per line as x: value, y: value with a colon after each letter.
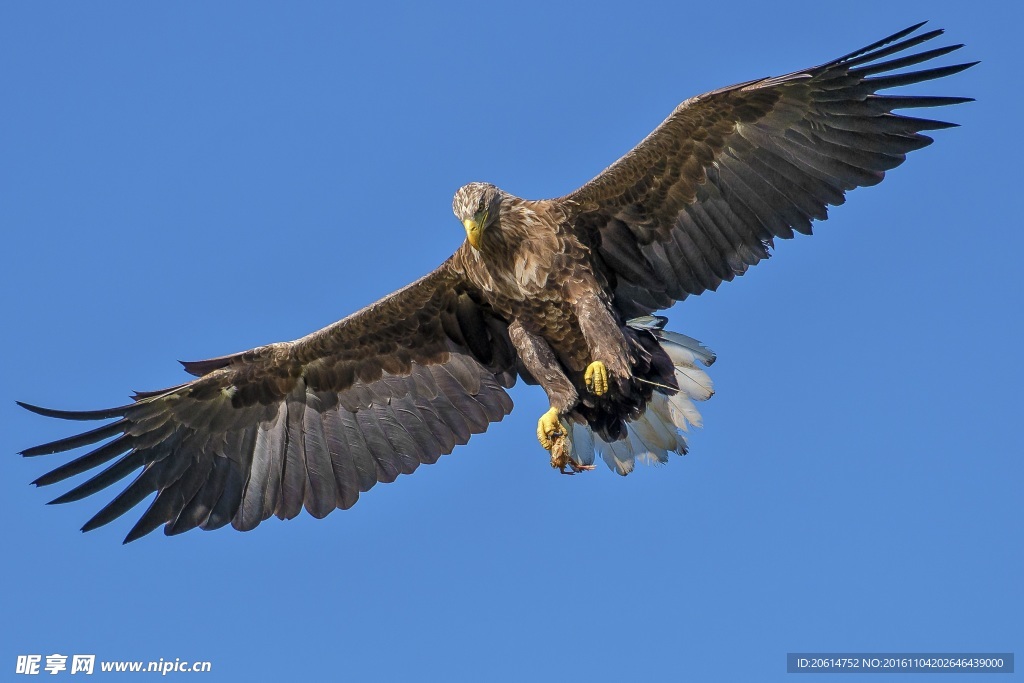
x: 553, y: 291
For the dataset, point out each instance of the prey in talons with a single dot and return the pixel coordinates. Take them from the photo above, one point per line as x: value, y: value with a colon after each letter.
x: 554, y: 437
x: 561, y: 457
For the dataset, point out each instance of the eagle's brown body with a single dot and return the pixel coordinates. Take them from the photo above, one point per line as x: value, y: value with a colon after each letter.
x: 535, y: 272
x: 560, y: 292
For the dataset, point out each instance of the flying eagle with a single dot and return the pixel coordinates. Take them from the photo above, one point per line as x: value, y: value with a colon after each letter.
x: 559, y: 292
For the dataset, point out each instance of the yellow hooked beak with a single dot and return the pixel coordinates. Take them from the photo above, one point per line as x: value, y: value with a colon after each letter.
x: 473, y: 232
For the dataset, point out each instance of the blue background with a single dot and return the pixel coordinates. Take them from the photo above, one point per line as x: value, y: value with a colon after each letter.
x: 184, y: 180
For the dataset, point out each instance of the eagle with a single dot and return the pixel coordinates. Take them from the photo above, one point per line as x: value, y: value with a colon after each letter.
x: 557, y: 292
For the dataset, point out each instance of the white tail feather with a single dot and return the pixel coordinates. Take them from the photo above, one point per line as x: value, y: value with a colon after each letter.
x: 670, y: 341
x: 683, y: 412
x: 618, y: 455
x: 641, y: 434
x: 651, y: 427
x: 659, y: 430
x: 695, y: 383
x: 582, y: 444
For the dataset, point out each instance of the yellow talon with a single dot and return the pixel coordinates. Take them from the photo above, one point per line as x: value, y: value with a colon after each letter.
x: 549, y: 427
x: 596, y: 378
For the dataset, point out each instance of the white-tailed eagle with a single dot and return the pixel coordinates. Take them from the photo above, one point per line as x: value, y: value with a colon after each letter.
x: 559, y: 292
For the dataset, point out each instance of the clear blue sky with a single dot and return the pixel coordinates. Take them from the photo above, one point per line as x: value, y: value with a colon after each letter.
x: 184, y: 180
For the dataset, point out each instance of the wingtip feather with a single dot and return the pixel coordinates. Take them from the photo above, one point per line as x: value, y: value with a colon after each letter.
x: 68, y: 497
x: 137, y: 532
x: 883, y: 42
x: 103, y: 414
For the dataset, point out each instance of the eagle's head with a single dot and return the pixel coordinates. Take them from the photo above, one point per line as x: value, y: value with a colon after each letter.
x: 477, y: 206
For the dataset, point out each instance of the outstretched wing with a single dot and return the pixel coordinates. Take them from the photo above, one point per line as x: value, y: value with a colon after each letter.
x: 310, y: 423
x: 703, y: 196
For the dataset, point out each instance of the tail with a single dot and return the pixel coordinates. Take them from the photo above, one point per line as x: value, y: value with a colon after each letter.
x: 659, y: 430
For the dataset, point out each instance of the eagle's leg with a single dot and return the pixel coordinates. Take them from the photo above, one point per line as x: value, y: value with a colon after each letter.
x: 608, y: 347
x: 540, y: 361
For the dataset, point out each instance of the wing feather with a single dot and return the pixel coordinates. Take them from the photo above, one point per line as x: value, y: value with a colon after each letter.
x: 306, y: 424
x: 293, y: 475
x: 197, y: 511
x: 705, y: 195
x: 321, y: 489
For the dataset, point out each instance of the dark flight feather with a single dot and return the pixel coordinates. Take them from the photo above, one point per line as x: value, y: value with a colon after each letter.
x: 782, y: 150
